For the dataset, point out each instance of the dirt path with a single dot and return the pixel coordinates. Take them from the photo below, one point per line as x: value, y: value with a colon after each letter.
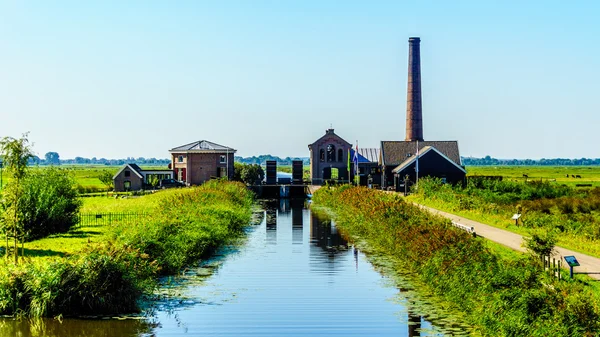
x: 589, y: 264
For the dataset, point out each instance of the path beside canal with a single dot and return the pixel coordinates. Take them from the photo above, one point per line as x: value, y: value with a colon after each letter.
x: 589, y: 265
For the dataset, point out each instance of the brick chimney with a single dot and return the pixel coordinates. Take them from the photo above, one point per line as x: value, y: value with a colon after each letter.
x: 414, y: 118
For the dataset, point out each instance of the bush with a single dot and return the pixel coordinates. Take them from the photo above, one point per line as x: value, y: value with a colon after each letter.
x: 49, y: 203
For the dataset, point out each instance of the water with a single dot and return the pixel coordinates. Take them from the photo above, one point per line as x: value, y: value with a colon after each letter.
x: 294, y: 275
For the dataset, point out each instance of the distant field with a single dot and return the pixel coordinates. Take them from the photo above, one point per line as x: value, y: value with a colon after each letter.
x: 86, y: 175
x: 588, y: 174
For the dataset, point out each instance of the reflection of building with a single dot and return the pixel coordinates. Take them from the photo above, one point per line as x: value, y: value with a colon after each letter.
x: 297, y: 223
x: 324, y: 234
x: 271, y: 218
x: 200, y: 161
x: 328, y: 153
x: 414, y: 325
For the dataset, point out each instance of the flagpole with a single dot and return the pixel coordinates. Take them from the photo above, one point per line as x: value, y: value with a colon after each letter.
x: 417, y: 164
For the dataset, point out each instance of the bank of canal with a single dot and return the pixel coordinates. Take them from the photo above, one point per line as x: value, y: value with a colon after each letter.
x: 294, y: 275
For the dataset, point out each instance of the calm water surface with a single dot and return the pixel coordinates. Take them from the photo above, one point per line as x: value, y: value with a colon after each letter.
x: 293, y: 276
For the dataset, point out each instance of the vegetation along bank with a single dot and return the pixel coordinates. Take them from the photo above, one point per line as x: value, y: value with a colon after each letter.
x: 110, y: 274
x: 569, y: 214
x: 500, y: 295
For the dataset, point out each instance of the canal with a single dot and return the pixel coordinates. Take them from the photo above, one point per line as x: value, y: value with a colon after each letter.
x: 293, y: 275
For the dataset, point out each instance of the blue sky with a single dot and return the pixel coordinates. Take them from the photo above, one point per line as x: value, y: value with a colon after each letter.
x: 510, y: 79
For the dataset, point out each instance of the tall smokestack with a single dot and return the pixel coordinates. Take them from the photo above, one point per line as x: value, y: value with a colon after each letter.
x: 414, y: 118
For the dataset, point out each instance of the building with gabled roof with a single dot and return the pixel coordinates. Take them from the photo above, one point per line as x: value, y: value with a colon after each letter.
x: 131, y: 177
x: 328, y: 153
x: 432, y: 163
x: 197, y: 162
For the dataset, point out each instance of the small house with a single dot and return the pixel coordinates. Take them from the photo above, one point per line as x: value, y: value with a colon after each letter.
x: 131, y: 177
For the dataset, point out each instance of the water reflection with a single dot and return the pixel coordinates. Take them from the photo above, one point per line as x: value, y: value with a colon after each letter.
x: 74, y: 327
x: 295, y: 275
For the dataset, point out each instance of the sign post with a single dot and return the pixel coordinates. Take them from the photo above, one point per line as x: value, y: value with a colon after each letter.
x: 572, y: 262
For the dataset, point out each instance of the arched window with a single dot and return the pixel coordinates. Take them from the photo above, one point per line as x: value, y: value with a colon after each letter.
x: 330, y: 152
x: 340, y: 155
x: 322, y: 155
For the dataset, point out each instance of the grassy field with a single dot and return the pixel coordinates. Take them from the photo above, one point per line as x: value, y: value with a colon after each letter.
x: 86, y: 175
x: 81, y: 237
x: 558, y: 174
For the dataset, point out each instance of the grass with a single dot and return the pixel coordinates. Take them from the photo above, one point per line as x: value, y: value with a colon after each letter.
x: 558, y: 174
x: 501, y: 293
x: 87, y: 175
x: 108, y: 269
x: 548, y: 207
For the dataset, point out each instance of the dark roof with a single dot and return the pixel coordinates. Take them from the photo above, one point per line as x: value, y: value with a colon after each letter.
x: 136, y: 169
x: 422, y: 152
x: 370, y: 154
x: 328, y: 132
x: 202, y: 146
x: 396, y: 152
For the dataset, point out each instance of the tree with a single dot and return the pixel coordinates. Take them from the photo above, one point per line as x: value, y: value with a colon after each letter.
x: 107, y: 179
x: 16, y: 153
x: 541, y: 243
x: 52, y: 158
x: 49, y: 203
x: 252, y: 173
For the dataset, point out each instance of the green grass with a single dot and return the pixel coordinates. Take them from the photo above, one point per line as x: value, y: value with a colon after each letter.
x: 86, y: 175
x: 500, y: 292
x: 578, y: 231
x: 107, y: 269
x: 589, y: 174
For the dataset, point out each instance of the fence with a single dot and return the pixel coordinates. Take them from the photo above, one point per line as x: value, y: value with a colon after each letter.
x: 468, y: 229
x: 104, y: 219
x: 552, y: 265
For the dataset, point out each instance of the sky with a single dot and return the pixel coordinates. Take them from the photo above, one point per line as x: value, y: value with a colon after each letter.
x: 116, y: 79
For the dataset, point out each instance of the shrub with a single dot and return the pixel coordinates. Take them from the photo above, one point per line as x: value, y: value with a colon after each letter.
x: 49, y: 203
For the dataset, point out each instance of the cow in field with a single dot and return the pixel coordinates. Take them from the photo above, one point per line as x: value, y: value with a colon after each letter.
x: 578, y: 176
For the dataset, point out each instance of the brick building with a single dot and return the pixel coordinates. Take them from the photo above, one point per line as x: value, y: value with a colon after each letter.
x: 328, y: 153
x: 197, y: 162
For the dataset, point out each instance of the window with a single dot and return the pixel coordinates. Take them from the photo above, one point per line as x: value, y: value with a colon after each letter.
x: 223, y: 159
x: 127, y: 185
x: 322, y: 155
x: 180, y: 159
x: 330, y: 152
x: 222, y: 172
x: 127, y: 173
x: 340, y: 155
x: 361, y: 170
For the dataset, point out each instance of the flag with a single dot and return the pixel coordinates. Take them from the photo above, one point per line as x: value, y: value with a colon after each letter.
x: 417, y: 161
x: 348, y: 165
x: 355, y: 160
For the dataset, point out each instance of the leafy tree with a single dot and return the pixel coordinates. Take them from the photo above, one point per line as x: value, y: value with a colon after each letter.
x: 153, y: 181
x: 248, y: 173
x: 107, y: 179
x: 52, y: 158
x: 49, y: 203
x: 16, y: 153
x: 252, y: 173
x: 541, y: 244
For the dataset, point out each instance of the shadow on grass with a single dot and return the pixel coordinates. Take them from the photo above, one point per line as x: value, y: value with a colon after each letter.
x: 76, y: 234
x: 41, y: 252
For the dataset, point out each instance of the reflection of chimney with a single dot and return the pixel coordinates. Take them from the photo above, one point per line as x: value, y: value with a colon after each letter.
x: 414, y: 118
